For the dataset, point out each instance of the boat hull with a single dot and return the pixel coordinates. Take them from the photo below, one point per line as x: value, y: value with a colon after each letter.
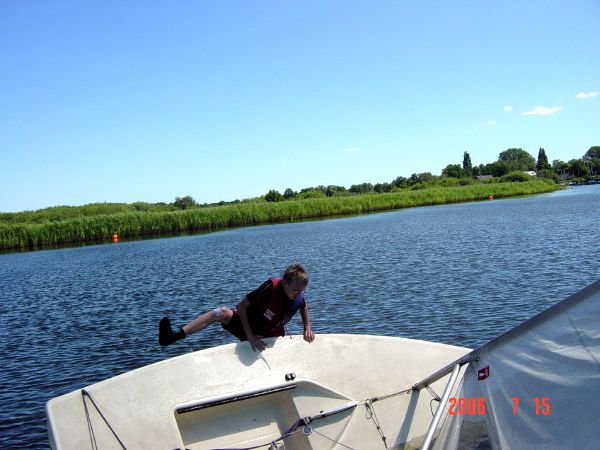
x: 232, y: 397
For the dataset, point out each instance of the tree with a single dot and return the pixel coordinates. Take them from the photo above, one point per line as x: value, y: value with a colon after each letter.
x: 515, y: 176
x: 380, y: 188
x: 593, y: 152
x: 335, y: 190
x: 560, y: 168
x: 425, y: 177
x: 186, y: 202
x: 496, y: 169
x: 558, y: 165
x: 289, y: 194
x: 481, y: 170
x: 578, y: 168
x: 467, y: 166
x: 362, y: 188
x: 595, y: 164
x: 517, y: 159
x: 322, y: 188
x: 400, y: 182
x: 452, y: 171
x: 548, y: 173
x: 542, y: 161
x: 273, y: 196
x: 310, y: 193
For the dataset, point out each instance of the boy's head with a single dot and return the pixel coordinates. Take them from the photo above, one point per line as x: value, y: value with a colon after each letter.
x: 295, y: 280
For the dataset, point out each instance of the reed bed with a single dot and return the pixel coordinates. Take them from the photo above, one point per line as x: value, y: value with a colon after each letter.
x: 145, y: 224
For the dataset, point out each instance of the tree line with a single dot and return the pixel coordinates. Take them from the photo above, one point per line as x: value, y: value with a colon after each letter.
x: 517, y: 159
x: 510, y: 166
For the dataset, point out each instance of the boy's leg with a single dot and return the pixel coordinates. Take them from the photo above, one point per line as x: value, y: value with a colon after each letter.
x: 167, y: 336
x: 221, y: 314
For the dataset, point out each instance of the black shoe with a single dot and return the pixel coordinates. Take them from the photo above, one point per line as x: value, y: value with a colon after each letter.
x: 166, y: 336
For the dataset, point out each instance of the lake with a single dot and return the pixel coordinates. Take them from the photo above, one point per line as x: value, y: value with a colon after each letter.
x: 458, y: 274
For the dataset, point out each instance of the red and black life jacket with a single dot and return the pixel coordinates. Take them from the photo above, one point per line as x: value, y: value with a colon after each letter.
x: 278, y: 310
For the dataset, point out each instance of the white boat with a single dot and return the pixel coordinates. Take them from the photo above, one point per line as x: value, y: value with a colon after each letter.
x: 231, y: 397
x: 537, y: 386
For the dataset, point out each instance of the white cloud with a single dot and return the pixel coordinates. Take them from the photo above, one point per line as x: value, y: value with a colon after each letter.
x: 491, y: 122
x: 351, y: 150
x: 507, y: 108
x: 583, y: 95
x: 542, y: 111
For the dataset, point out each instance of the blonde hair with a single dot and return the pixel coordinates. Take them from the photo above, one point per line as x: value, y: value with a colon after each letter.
x: 295, y: 272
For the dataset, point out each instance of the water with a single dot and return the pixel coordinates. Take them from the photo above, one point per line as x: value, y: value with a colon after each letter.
x: 458, y: 274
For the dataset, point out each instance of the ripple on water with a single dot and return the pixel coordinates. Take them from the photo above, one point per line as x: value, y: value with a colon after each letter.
x: 458, y: 274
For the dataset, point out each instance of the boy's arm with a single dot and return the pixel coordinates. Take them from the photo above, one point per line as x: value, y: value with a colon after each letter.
x: 254, y: 341
x: 309, y: 336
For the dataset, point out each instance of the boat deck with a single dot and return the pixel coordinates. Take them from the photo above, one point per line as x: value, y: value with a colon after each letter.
x: 231, y: 397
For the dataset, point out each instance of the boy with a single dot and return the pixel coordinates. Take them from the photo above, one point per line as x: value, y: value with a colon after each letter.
x: 261, y: 313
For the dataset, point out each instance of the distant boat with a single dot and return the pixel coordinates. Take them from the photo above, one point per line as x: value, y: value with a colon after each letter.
x: 534, y: 387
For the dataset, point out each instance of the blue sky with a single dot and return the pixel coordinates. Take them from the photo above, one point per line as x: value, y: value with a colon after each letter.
x: 222, y: 100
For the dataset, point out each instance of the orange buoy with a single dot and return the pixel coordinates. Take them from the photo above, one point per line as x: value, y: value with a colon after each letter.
x: 491, y: 197
x: 115, y: 238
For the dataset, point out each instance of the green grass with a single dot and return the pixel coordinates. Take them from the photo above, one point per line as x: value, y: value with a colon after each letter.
x: 99, y: 222
x: 60, y: 213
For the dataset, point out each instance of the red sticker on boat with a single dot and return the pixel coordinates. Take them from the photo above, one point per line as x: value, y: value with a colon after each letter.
x: 482, y: 374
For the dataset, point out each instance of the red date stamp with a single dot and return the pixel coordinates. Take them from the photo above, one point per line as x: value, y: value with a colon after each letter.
x: 470, y: 406
x: 476, y: 406
x: 542, y: 405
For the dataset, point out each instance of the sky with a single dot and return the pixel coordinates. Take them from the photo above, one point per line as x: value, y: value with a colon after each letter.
x: 112, y: 101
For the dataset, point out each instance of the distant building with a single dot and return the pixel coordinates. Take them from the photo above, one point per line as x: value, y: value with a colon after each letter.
x: 530, y: 172
x: 484, y: 177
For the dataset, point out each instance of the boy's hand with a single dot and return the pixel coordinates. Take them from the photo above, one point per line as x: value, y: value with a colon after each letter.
x: 309, y: 336
x: 256, y: 343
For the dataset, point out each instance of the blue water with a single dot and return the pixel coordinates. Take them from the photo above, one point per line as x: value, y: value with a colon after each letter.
x: 458, y: 274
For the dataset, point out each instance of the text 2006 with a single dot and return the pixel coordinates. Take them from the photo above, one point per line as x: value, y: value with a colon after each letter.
x: 467, y: 406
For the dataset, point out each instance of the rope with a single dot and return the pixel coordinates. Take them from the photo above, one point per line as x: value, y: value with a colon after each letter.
x: 273, y: 444
x: 436, y: 398
x: 308, y: 430
x: 294, y: 428
x: 85, y: 394
x: 89, y: 423
x: 385, y: 397
x: 371, y: 415
x: 297, y: 424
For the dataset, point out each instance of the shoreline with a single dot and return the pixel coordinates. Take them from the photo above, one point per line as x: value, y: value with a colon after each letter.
x: 93, y: 230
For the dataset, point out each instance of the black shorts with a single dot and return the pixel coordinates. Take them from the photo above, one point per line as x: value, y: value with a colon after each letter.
x: 235, y: 327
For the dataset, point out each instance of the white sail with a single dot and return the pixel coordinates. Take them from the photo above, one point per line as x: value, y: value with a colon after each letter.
x: 534, y: 387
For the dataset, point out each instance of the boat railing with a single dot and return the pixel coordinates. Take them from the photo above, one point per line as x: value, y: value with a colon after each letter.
x: 454, y: 370
x: 438, y: 414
